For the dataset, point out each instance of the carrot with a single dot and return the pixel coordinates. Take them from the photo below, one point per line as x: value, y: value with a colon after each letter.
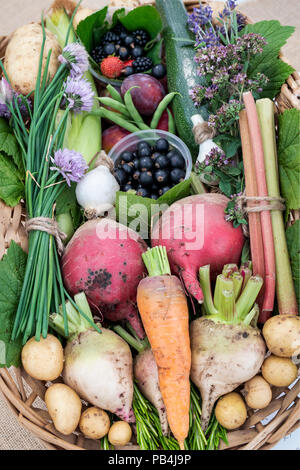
x: 163, y: 308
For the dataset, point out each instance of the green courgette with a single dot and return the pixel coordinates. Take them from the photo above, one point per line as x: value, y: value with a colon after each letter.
x: 181, y: 67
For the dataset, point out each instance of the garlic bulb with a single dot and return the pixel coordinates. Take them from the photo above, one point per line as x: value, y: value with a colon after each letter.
x: 96, y: 191
x: 206, y: 145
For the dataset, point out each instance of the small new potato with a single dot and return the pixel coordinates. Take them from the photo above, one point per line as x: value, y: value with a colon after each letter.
x: 94, y: 423
x: 44, y: 359
x: 258, y: 393
x: 279, y: 371
x: 64, y: 407
x: 231, y: 411
x: 120, y: 433
x: 282, y: 335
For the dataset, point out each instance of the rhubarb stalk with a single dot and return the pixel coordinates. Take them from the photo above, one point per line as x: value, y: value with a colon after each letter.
x: 266, y: 223
x: 285, y: 291
x: 256, y: 241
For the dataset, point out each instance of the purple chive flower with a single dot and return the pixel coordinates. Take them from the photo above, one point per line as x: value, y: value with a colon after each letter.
x: 70, y: 164
x: 200, y: 16
x: 76, y: 58
x: 78, y: 95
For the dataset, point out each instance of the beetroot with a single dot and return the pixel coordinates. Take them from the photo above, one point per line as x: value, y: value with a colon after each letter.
x: 103, y: 259
x: 147, y: 96
x: 195, y: 233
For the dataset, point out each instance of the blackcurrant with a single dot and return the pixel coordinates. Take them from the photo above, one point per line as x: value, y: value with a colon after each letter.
x: 128, y: 40
x: 128, y: 71
x: 128, y: 169
x: 143, y: 192
x: 121, y: 176
x: 146, y: 163
x: 123, y: 53
x: 163, y: 190
x: 159, y: 71
x: 126, y: 156
x: 109, y: 49
x: 177, y: 161
x: 146, y: 178
x: 137, y: 51
x: 177, y: 175
x: 162, y: 145
x: 161, y: 162
x: 161, y: 177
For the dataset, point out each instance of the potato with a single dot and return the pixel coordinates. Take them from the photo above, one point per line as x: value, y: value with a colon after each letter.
x: 279, y: 371
x: 81, y: 15
x: 94, y: 423
x: 231, y: 411
x: 64, y: 407
x: 282, y: 335
x: 44, y: 359
x: 258, y: 393
x: 23, y: 54
x: 120, y: 433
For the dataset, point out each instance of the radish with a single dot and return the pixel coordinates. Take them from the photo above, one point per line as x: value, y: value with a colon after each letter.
x: 103, y: 259
x: 195, y: 233
x: 146, y: 374
x: 226, y: 349
x: 98, y: 365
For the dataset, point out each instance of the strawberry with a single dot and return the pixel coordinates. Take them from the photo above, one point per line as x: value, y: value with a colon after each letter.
x: 111, y: 67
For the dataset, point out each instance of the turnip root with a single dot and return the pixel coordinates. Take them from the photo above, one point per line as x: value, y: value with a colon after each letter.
x: 103, y: 259
x: 98, y: 366
x: 146, y: 374
x: 223, y: 357
x: 23, y: 54
x: 226, y: 350
x: 195, y: 233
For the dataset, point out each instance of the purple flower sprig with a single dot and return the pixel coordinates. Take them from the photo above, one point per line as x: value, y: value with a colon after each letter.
x: 76, y: 58
x: 70, y: 164
x: 7, y: 101
x: 78, y: 95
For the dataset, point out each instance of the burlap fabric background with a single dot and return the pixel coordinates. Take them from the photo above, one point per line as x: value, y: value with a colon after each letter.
x: 14, y: 13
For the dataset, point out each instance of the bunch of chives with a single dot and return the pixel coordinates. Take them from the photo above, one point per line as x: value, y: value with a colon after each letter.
x: 43, y: 290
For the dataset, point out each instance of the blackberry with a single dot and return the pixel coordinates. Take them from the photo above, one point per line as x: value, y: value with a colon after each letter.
x: 119, y: 29
x: 142, y: 64
x: 141, y: 37
x: 98, y: 54
x: 110, y: 38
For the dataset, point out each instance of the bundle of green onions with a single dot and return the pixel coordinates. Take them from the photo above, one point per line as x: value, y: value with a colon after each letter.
x: 48, y: 168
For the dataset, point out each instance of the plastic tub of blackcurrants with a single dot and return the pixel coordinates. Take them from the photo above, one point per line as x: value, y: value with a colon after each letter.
x: 151, y: 162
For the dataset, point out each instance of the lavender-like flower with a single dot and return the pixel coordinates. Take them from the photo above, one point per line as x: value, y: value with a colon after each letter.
x: 70, y: 164
x: 76, y: 58
x: 78, y: 95
x: 200, y: 16
x: 7, y: 96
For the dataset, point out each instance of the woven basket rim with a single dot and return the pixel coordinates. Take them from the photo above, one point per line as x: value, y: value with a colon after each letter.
x: 21, y: 391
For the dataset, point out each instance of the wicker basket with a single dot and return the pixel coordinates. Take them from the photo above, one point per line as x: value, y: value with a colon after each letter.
x: 25, y: 395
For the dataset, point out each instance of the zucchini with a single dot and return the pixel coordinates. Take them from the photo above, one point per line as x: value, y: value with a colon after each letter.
x: 181, y: 67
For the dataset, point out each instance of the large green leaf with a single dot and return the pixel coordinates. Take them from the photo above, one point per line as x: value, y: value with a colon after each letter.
x: 143, y: 17
x: 289, y: 157
x: 92, y: 26
x: 268, y: 62
x: 293, y: 242
x: 12, y: 272
x: 10, y: 146
x: 11, y: 186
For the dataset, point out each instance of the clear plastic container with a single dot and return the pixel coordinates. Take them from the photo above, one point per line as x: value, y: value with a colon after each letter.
x: 130, y: 143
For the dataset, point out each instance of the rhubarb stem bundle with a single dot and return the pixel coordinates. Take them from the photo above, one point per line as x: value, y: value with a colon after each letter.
x: 286, y: 297
x: 266, y: 223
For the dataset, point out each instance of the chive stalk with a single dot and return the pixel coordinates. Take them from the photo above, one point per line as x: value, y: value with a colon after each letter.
x: 285, y: 291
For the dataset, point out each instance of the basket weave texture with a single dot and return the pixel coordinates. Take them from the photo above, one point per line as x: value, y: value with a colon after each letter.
x: 25, y: 395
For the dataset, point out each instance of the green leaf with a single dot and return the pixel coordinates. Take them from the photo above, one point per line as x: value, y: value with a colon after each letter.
x: 225, y: 187
x: 67, y: 202
x: 268, y: 62
x: 11, y: 187
x: 145, y: 17
x: 85, y: 29
x: 293, y: 242
x: 12, y: 272
x: 10, y: 146
x: 138, y: 212
x: 155, y: 52
x: 229, y: 144
x: 289, y: 157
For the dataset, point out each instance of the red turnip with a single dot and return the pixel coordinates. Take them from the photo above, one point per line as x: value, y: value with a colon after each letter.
x: 103, y: 259
x: 195, y: 233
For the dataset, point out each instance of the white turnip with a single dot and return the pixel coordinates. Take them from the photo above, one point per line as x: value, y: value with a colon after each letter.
x: 226, y: 349
x: 98, y: 366
x: 195, y: 233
